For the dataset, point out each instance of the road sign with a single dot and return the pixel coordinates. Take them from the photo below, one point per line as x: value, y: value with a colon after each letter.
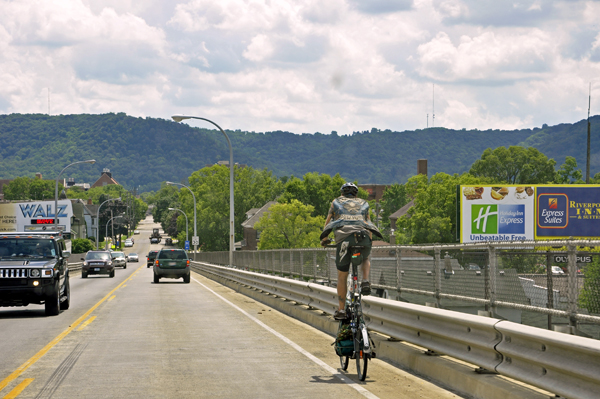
x: 195, y: 240
x: 187, y: 245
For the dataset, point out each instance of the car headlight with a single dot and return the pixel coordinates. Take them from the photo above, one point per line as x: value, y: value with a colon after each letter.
x: 85, y: 263
x: 35, y: 273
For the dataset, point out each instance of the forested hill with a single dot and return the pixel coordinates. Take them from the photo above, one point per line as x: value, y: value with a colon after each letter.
x: 146, y: 151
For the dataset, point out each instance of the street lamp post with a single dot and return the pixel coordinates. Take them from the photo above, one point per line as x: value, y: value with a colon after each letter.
x: 170, y: 183
x: 98, y: 218
x: 179, y: 118
x: 106, y: 233
x: 186, y: 221
x: 92, y: 161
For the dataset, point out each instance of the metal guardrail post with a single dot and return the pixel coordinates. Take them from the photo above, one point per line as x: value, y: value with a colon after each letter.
x: 438, y: 275
x: 327, y: 266
x: 315, y: 265
x: 572, y: 283
x: 492, y: 276
x: 398, y: 272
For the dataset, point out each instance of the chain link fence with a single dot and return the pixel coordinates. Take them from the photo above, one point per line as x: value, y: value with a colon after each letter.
x: 553, y: 285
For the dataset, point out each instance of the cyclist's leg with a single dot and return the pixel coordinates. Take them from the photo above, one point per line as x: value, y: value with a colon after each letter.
x: 342, y: 290
x: 366, y: 268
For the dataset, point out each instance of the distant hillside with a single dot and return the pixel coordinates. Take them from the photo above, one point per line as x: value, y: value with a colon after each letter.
x: 145, y: 152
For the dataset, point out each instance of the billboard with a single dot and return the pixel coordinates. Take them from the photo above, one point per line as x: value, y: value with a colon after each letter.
x: 512, y: 213
x: 496, y: 213
x: 567, y: 211
x: 35, y: 216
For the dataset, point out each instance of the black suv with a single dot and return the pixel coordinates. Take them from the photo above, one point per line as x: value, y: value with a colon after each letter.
x: 34, y: 269
x: 151, y: 258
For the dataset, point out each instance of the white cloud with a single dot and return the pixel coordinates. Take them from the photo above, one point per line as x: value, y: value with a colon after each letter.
x: 304, y: 65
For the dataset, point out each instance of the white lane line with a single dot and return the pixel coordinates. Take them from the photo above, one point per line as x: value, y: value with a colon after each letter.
x: 318, y: 361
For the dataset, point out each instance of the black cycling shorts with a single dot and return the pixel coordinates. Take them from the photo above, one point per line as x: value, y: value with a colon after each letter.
x: 342, y: 263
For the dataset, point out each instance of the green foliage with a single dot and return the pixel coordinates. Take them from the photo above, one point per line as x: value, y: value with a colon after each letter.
x: 142, y: 151
x: 316, y: 190
x: 432, y: 218
x: 568, y: 173
x: 289, y: 225
x: 27, y: 188
x: 81, y: 245
x: 394, y: 197
x: 514, y: 165
x: 590, y: 295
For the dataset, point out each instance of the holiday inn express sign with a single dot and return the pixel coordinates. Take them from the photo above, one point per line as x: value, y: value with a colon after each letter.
x: 511, y: 213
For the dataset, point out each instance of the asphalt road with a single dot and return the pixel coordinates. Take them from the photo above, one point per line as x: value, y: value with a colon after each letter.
x: 127, y: 337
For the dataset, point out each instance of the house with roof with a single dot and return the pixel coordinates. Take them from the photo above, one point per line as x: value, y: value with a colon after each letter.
x: 251, y: 235
x: 105, y: 179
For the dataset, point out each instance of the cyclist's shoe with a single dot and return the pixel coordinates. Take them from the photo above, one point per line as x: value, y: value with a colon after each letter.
x: 365, y: 288
x: 339, y: 315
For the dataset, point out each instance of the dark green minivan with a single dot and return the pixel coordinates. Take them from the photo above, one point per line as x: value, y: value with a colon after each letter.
x: 172, y: 263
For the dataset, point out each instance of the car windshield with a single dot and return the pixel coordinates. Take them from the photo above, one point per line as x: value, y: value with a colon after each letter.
x: 172, y: 254
x: 118, y: 255
x: 97, y: 256
x: 132, y: 254
x: 22, y: 247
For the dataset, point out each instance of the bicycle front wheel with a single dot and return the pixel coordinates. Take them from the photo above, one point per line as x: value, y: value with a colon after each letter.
x: 361, y: 357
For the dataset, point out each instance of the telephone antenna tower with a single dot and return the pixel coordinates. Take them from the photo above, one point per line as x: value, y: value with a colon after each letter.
x: 433, y: 104
x: 587, y: 167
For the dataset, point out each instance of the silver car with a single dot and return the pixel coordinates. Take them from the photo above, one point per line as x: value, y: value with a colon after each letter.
x: 132, y: 257
x: 118, y: 259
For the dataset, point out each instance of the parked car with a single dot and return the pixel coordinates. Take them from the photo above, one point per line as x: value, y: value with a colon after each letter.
x: 136, y: 232
x: 172, y: 263
x: 128, y: 243
x: 133, y: 257
x: 151, y: 257
x: 97, y: 262
x: 119, y: 259
x: 557, y: 270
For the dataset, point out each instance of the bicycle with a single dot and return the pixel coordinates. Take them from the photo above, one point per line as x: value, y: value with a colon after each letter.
x: 362, y: 348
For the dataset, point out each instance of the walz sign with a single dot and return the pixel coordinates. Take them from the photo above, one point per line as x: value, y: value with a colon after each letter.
x: 565, y: 259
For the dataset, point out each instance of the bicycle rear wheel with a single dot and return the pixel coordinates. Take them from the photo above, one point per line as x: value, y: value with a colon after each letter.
x: 361, y: 357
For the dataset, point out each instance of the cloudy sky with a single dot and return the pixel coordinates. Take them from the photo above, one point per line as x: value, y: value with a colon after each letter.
x: 305, y: 65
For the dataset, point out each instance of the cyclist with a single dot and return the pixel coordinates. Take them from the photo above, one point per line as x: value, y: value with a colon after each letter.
x: 350, y: 221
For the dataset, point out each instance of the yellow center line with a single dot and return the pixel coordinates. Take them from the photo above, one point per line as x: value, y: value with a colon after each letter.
x: 19, y: 388
x: 56, y: 340
x: 87, y: 322
x: 111, y: 298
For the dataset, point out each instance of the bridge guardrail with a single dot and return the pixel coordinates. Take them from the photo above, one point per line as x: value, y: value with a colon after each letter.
x: 563, y: 364
x: 73, y: 267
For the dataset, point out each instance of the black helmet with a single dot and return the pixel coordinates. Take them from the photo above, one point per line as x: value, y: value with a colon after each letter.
x: 349, y: 189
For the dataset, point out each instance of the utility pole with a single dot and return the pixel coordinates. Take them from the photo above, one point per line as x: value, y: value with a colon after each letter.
x: 587, y: 167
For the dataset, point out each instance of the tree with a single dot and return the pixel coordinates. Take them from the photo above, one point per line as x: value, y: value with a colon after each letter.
x: 432, y: 218
x: 394, y: 197
x: 27, y: 188
x: 568, y: 172
x: 590, y: 295
x: 289, y: 225
x: 252, y: 189
x: 81, y: 245
x: 514, y: 165
x: 317, y: 190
